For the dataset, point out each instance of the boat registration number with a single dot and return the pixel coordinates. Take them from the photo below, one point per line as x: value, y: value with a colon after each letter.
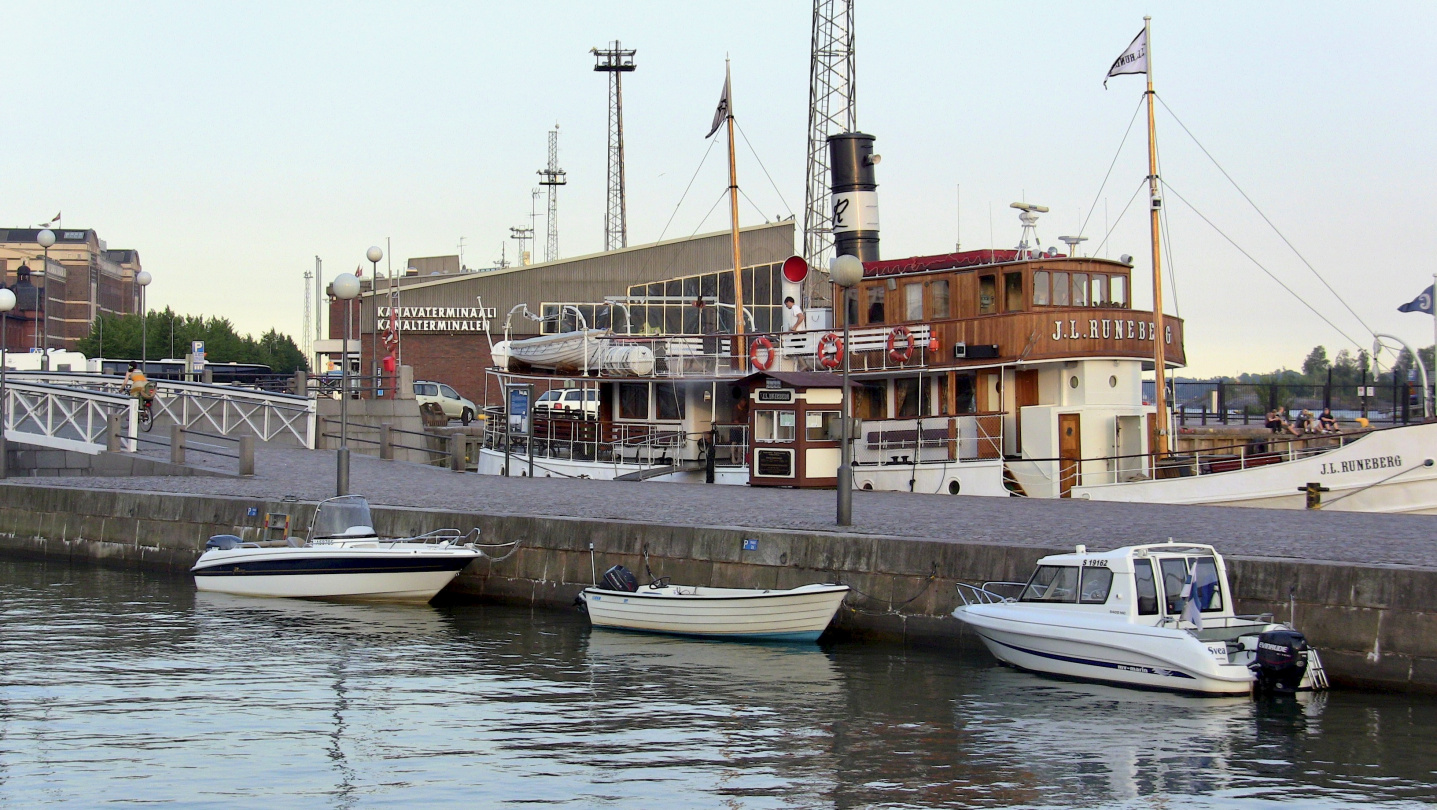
x: 1095, y: 563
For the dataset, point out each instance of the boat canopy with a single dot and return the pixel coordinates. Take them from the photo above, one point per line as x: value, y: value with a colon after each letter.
x: 345, y: 516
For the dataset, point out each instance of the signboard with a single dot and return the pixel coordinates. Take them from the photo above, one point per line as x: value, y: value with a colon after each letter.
x: 1367, y: 391
x: 519, y: 409
x: 775, y: 463
x: 437, y: 319
x: 785, y: 395
x: 197, y: 349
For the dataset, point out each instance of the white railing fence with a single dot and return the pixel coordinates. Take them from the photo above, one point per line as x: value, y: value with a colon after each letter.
x: 66, y: 418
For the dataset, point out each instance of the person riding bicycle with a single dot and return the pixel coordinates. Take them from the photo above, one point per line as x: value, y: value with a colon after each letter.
x: 137, y: 383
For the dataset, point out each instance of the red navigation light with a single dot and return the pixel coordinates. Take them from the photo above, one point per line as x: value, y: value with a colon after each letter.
x: 795, y: 269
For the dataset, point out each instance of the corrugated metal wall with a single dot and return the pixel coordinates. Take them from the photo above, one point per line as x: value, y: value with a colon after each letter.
x: 591, y: 278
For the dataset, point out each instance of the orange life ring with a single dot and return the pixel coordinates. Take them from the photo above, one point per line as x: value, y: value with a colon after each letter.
x: 894, y: 353
x: 830, y: 360
x: 765, y: 344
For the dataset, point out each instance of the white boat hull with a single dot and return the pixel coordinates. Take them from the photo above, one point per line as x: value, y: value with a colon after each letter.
x: 1384, y: 471
x: 1121, y: 653
x: 332, y: 572
x: 801, y: 614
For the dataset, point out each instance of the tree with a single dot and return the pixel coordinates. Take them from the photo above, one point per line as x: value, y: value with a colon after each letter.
x: 118, y: 336
x: 1315, y: 367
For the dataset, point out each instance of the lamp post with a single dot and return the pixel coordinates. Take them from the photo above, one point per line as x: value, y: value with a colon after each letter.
x: 374, y: 254
x: 7, y: 303
x: 46, y: 238
x: 346, y: 289
x: 845, y: 271
x: 143, y: 279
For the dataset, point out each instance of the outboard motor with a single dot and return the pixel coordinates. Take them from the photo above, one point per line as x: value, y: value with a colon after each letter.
x: 620, y: 578
x: 1281, y: 661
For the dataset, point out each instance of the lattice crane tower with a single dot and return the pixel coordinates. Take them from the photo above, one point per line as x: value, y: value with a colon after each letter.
x: 831, y: 109
x: 552, y: 176
x: 615, y: 61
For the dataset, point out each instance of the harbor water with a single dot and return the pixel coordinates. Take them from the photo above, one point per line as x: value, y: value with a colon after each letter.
x: 130, y: 688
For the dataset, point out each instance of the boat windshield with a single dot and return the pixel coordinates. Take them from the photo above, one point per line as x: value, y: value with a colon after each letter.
x: 1052, y: 583
x: 346, y: 516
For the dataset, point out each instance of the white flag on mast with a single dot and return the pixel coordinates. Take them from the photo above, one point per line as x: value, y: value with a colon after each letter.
x: 722, y: 112
x: 1133, y: 60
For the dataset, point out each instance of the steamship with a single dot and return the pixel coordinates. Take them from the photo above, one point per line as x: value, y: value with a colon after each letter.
x: 989, y: 372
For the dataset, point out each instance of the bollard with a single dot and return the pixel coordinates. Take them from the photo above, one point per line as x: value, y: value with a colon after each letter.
x: 300, y: 383
x: 456, y: 452
x: 1313, y: 491
x: 115, y: 433
x: 207, y: 376
x: 246, y: 455
x: 386, y: 441
x: 177, y: 444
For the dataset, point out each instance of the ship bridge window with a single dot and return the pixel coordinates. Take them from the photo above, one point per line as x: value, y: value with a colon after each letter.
x: 875, y: 295
x: 1052, y: 583
x: 1040, y: 288
x: 1119, y: 286
x: 668, y: 402
x: 634, y: 400
x: 1100, y: 290
x: 905, y: 398
x: 1080, y: 289
x: 913, y: 302
x: 1012, y: 292
x: 1096, y: 584
x: 1061, y: 290
x: 938, y: 291
x: 987, y: 295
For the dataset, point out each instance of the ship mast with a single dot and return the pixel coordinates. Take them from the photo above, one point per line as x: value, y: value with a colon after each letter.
x: 1160, y: 437
x: 733, y: 198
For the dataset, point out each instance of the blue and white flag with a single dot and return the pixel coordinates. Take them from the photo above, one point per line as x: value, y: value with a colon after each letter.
x: 1199, y: 591
x: 1422, y: 303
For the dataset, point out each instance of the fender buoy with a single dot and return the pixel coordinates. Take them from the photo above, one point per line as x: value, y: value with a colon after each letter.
x: 830, y: 350
x: 767, y: 346
x: 897, y: 355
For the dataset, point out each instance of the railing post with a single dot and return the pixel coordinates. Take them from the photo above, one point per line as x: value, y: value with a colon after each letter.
x: 112, y: 437
x: 300, y: 383
x: 1222, y: 401
x: 177, y: 444
x: 246, y: 455
x: 386, y: 441
x: 207, y: 376
x: 456, y: 452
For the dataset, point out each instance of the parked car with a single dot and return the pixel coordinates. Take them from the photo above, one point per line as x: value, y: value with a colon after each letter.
x: 577, y: 403
x: 449, y: 400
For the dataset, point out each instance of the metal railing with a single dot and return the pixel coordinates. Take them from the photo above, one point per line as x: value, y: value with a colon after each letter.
x: 180, y: 445
x: 382, y: 436
x: 619, y: 443
x: 929, y: 439
x: 65, y: 418
x: 225, y: 409
x: 1218, y: 402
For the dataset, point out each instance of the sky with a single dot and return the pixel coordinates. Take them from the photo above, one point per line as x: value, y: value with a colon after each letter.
x: 232, y: 143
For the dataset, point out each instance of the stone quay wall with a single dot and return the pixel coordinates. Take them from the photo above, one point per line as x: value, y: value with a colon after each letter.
x: 1376, y: 627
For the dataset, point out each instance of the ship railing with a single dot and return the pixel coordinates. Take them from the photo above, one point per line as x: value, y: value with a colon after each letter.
x: 618, y: 443
x: 928, y: 439
x: 989, y: 593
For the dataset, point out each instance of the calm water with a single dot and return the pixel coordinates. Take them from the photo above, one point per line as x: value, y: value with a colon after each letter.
x: 126, y: 688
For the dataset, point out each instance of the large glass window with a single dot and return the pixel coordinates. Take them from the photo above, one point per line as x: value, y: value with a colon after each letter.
x: 668, y: 402
x: 987, y: 295
x: 905, y: 398
x: 1061, y: 290
x: 851, y: 296
x: 938, y: 291
x: 821, y: 426
x: 1100, y: 290
x: 1080, y: 289
x: 1040, y: 288
x: 1012, y: 292
x: 1052, y: 583
x: 875, y: 295
x: 1147, y: 588
x: 633, y: 400
x: 1175, y: 575
x: 965, y: 393
x: 913, y: 302
x: 1207, y: 588
x: 1119, y: 286
x: 774, y: 426
x: 870, y: 400
x: 1096, y: 584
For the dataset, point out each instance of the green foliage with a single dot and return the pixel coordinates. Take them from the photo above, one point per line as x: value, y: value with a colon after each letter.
x: 119, y: 337
x: 1316, y: 365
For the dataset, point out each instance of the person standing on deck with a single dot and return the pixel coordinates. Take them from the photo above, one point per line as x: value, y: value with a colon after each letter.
x: 797, y: 321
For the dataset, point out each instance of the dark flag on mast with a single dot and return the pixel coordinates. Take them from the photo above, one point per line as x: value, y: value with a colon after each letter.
x: 1133, y: 60
x: 722, y: 112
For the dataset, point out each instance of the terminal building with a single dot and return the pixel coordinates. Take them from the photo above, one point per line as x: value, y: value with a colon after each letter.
x: 81, y: 280
x: 447, y: 319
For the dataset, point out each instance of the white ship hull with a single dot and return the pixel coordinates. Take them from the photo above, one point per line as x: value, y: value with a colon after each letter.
x: 800, y: 614
x: 1384, y: 471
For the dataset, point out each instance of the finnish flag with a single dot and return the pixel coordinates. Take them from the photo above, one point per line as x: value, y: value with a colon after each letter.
x: 1199, y: 591
x: 1422, y: 303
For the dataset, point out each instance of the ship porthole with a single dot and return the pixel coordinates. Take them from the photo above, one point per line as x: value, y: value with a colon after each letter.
x: 1113, y: 382
x: 953, y: 487
x: 868, y: 486
x: 1073, y: 382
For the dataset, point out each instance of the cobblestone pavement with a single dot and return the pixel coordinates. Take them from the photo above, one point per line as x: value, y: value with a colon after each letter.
x: 1409, y: 540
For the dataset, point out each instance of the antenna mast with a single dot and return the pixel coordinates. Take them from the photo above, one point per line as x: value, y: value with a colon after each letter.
x: 615, y: 61
x: 831, y: 110
x: 307, y: 339
x: 553, y: 177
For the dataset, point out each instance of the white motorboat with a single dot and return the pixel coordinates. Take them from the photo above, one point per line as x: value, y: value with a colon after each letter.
x: 798, y: 614
x: 1156, y: 616
x: 342, y: 558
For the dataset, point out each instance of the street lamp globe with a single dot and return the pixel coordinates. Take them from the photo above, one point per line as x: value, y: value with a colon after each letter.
x: 7, y: 300
x: 845, y: 271
x: 346, y: 286
x: 46, y: 238
x: 143, y: 278
x: 374, y: 254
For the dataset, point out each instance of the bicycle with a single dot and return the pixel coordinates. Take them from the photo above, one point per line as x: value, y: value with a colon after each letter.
x: 147, y: 407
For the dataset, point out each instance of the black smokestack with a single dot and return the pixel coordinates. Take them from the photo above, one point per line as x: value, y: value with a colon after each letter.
x: 855, y: 195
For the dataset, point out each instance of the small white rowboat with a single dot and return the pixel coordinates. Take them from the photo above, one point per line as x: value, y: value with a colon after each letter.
x: 800, y: 614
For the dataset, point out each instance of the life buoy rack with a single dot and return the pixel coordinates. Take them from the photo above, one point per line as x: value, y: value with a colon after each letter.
x: 896, y: 354
x: 769, y: 356
x: 830, y: 350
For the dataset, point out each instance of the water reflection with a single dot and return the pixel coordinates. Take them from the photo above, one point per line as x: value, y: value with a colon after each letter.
x: 131, y: 688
